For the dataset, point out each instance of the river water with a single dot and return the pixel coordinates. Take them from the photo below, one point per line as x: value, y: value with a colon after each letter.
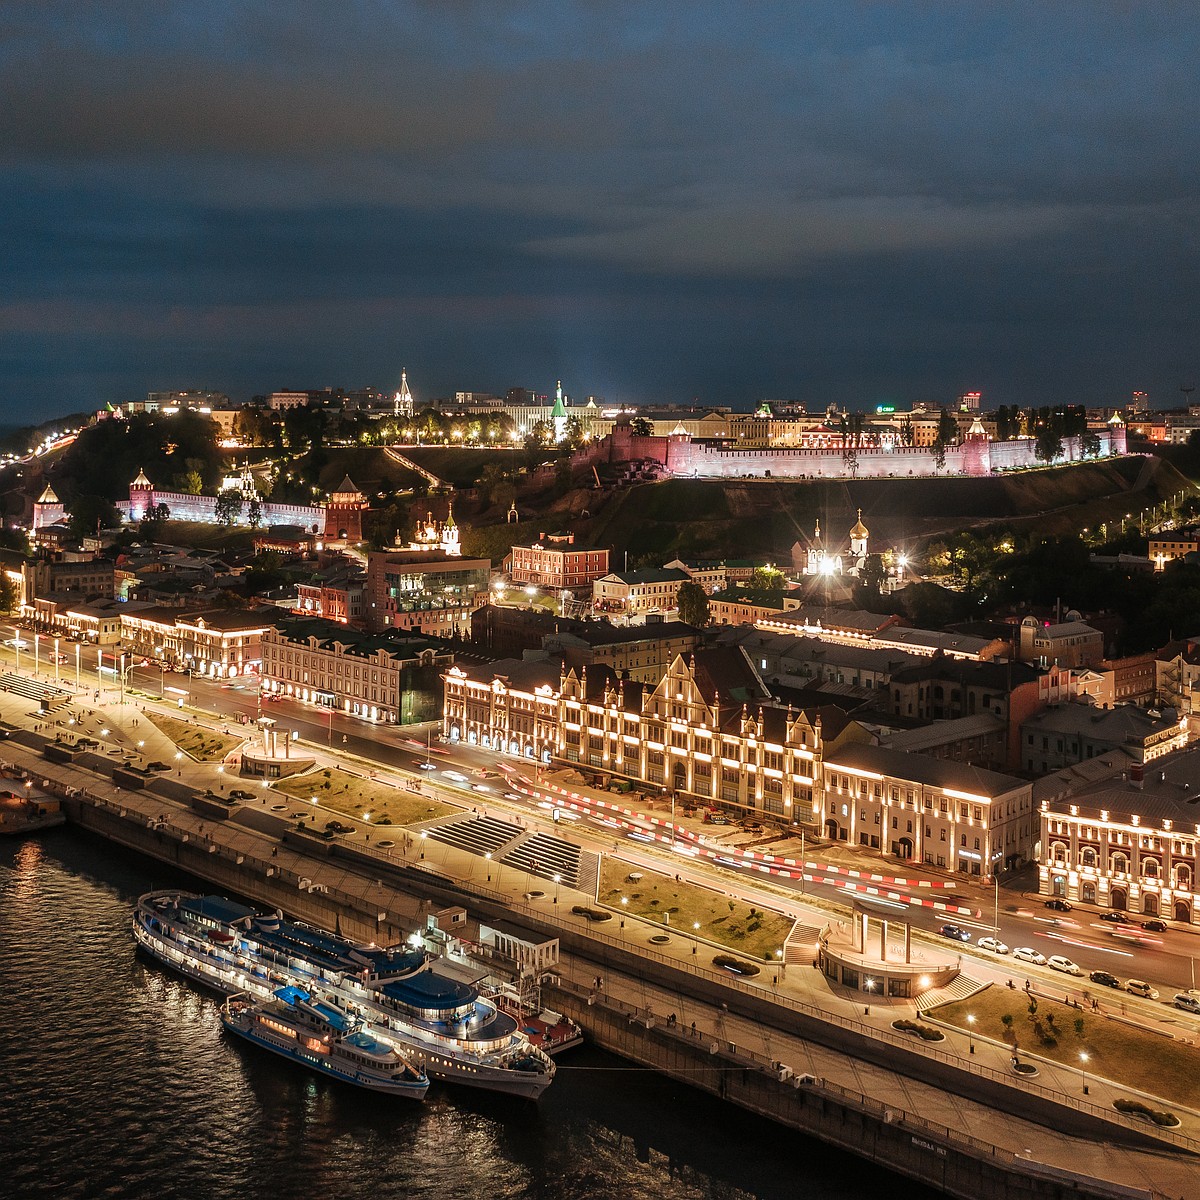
x: 116, y: 1080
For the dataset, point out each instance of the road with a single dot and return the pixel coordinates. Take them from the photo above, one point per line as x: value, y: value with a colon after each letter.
x: 1166, y: 961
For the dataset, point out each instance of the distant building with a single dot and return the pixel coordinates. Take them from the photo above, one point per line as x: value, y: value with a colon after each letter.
x: 47, y: 509
x: 220, y: 643
x: 633, y: 594
x: 393, y: 678
x: 1167, y: 547
x: 1069, y: 643
x: 1066, y: 734
x: 555, y: 562
x: 424, y: 590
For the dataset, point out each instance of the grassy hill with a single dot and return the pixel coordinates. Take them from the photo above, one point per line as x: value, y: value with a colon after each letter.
x: 714, y: 518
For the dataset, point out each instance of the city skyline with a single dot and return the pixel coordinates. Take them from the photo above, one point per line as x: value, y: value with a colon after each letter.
x: 876, y: 205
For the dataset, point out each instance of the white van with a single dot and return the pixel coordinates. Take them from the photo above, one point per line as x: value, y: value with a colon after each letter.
x: 1188, y: 1001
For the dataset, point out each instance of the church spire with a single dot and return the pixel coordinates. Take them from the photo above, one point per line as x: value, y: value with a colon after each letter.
x: 402, y: 405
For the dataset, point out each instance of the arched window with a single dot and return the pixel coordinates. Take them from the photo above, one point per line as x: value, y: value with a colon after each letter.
x: 1150, y: 868
x: 1089, y: 856
x: 1183, y: 877
x: 1058, y: 852
x: 1120, y: 864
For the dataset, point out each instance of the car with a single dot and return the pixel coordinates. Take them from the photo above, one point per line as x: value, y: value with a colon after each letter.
x: 456, y: 776
x: 993, y: 944
x: 1059, y: 905
x: 1155, y: 926
x: 1189, y: 1001
x: 953, y: 931
x: 1106, y: 978
x: 513, y: 796
x: 1029, y: 955
x: 1059, y: 962
x: 1139, y: 987
x: 480, y: 787
x: 1117, y: 918
x: 338, y: 827
x: 241, y: 794
x: 427, y: 766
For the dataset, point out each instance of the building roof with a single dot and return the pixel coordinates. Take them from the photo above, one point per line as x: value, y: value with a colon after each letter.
x: 1170, y: 790
x: 1065, y: 629
x: 1126, y: 723
x: 604, y: 633
x: 346, y: 488
x: 48, y: 496
x: 649, y: 575
x: 940, y: 733
x: 848, y: 619
x: 918, y: 768
x: 398, y: 643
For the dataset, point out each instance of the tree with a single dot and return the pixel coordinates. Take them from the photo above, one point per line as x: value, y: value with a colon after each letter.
x: 90, y: 513
x: 767, y: 581
x: 907, y: 434
x: 229, y: 506
x: 946, y: 436
x: 1089, y: 444
x: 573, y: 435
x: 254, y: 513
x: 153, y: 519
x: 872, y: 574
x: 693, y: 604
x: 641, y: 427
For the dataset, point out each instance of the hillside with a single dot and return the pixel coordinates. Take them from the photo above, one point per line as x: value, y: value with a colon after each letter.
x: 712, y: 518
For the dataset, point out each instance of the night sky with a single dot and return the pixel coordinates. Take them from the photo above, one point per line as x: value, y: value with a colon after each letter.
x: 861, y: 203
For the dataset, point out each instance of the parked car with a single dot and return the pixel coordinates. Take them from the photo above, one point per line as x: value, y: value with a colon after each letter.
x: 1059, y: 962
x: 1188, y: 1001
x: 953, y: 931
x: 1059, y: 905
x: 1107, y: 978
x: 1117, y: 918
x: 1028, y: 954
x: 1155, y: 925
x: 1139, y: 987
x: 993, y: 944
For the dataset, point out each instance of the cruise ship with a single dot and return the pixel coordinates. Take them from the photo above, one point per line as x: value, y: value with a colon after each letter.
x: 323, y: 1037
x: 443, y: 1027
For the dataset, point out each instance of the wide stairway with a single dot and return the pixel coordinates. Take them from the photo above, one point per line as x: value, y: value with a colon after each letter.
x: 958, y: 988
x: 46, y: 695
x: 545, y: 856
x: 477, y: 835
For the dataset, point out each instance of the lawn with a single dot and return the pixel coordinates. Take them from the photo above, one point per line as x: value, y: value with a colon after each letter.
x: 202, y: 744
x: 754, y: 932
x: 350, y: 794
x: 1123, y: 1053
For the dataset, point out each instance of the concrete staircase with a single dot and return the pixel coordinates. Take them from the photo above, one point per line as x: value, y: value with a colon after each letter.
x: 959, y: 988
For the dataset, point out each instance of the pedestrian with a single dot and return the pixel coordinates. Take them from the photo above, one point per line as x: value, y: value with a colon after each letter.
x: 693, y: 1028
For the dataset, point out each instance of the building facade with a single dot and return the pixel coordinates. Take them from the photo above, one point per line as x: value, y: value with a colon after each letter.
x: 633, y: 594
x: 708, y: 735
x: 425, y: 591
x: 393, y: 679
x: 219, y: 643
x: 1127, y: 843
x: 554, y: 561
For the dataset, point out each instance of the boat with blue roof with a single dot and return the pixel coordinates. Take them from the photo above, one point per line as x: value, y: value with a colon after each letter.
x: 443, y: 1026
x: 323, y: 1037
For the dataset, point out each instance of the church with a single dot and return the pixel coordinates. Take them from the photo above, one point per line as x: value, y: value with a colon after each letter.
x: 817, y: 559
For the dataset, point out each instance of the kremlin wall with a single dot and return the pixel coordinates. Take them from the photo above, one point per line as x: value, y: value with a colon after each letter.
x: 977, y: 455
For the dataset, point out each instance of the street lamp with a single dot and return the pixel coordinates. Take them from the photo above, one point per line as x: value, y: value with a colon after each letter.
x: 971, y: 1030
x: 869, y: 985
x: 1083, y: 1061
x: 624, y: 907
x: 56, y: 679
x: 557, y: 881
x: 78, y: 647
x: 488, y: 856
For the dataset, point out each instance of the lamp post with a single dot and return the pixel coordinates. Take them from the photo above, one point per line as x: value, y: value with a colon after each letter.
x: 971, y: 1030
x: 122, y: 664
x: 488, y: 856
x: 37, y: 645
x: 557, y: 881
x: 78, y: 647
x: 1083, y: 1061
x: 869, y: 985
x: 624, y: 906
x: 56, y: 677
x: 99, y: 674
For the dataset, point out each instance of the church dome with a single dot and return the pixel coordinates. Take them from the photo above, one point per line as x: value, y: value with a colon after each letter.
x: 859, y: 530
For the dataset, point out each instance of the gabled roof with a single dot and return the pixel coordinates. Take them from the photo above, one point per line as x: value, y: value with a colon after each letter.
x: 346, y: 488
x: 141, y: 480
x: 48, y: 496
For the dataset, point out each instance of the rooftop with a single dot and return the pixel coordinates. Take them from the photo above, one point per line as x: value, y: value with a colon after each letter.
x: 933, y: 772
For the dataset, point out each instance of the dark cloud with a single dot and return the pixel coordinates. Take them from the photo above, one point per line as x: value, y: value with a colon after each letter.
x: 837, y: 201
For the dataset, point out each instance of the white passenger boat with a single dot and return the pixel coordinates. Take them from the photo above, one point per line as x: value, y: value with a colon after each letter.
x: 442, y: 1026
x: 323, y: 1037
